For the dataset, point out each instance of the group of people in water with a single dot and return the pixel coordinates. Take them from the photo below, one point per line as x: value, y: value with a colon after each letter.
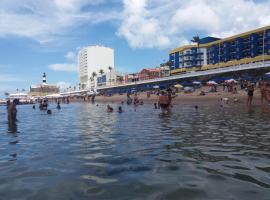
x: 164, y: 102
x: 12, y: 108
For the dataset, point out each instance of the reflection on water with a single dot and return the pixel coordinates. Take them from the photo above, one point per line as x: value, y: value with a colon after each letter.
x: 82, y: 152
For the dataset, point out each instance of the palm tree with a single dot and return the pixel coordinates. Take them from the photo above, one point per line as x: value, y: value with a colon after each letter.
x: 94, y: 74
x: 110, y: 69
x: 101, y: 71
x: 196, y: 39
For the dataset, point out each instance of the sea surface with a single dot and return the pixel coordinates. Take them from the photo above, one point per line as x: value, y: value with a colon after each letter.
x: 82, y: 152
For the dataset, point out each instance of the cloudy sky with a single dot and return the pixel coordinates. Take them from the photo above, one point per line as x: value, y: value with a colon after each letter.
x: 39, y: 36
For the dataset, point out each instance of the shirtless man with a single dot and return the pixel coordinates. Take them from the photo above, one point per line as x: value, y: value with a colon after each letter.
x: 12, y: 111
x: 164, y: 102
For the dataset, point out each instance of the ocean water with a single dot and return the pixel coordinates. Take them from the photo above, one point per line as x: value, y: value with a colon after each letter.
x: 82, y: 152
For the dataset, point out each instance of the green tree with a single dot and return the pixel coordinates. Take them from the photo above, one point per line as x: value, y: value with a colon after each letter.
x: 101, y: 71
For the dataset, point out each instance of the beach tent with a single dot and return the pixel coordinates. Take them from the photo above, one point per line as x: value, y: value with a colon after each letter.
x: 178, y: 86
x: 188, y: 89
x: 210, y: 83
x: 196, y: 83
x: 231, y: 81
x: 156, y: 86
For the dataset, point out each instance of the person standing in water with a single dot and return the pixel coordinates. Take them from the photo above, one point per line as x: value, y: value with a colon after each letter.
x: 58, y: 105
x: 164, y: 102
x: 12, y: 111
x: 250, y: 92
x: 263, y: 86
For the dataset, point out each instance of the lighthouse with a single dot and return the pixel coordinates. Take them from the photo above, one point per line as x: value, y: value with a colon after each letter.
x: 44, y: 78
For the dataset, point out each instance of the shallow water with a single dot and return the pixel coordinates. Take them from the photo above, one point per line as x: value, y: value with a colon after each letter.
x: 82, y: 152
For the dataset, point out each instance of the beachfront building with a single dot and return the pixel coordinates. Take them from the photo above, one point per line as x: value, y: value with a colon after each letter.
x: 213, y: 53
x: 129, y: 78
x: 110, y: 78
x: 43, y: 88
x: 91, y: 60
x: 152, y: 73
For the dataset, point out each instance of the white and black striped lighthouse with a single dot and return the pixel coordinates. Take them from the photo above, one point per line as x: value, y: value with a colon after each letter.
x: 44, y: 78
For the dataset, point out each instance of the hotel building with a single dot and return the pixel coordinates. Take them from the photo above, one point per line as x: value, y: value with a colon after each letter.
x: 93, y: 59
x: 212, y: 53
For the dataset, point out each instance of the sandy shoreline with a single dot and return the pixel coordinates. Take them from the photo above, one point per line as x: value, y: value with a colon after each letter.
x: 181, y: 97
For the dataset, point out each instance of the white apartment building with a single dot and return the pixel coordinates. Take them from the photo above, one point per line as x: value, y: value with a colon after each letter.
x: 93, y: 59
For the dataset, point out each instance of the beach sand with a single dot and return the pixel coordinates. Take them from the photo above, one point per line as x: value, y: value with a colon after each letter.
x: 210, y: 97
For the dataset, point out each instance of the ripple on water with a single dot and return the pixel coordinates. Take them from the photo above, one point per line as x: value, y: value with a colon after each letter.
x: 82, y: 152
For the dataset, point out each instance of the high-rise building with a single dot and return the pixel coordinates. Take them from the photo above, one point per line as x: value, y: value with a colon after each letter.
x: 91, y: 60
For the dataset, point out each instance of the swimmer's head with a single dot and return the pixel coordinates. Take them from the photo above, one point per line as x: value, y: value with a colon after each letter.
x: 49, y: 112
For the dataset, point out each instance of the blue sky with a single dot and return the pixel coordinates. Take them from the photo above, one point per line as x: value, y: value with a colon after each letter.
x: 39, y: 36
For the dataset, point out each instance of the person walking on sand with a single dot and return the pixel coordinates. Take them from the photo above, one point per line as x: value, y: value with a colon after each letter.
x: 164, y: 102
x: 250, y: 92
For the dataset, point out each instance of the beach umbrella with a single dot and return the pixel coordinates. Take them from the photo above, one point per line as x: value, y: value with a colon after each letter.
x: 178, y: 86
x: 188, y: 89
x: 156, y: 86
x: 210, y: 83
x: 231, y: 81
x: 196, y: 83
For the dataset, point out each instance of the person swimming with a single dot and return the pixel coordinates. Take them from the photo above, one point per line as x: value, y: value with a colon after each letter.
x: 109, y: 108
x: 120, y: 110
x: 49, y: 112
x: 34, y: 107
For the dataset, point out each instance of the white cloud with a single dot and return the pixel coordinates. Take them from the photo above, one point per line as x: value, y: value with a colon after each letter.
x: 63, y: 67
x: 166, y: 23
x: 142, y: 23
x: 71, y: 56
x: 46, y: 20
